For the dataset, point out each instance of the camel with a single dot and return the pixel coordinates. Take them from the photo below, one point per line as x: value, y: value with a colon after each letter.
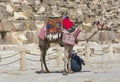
x: 44, y: 45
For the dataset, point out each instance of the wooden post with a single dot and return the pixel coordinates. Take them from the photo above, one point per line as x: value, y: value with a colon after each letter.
x: 88, y: 51
x: 110, y: 52
x: 22, y: 60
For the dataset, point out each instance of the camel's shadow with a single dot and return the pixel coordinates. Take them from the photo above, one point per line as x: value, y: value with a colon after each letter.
x: 39, y: 72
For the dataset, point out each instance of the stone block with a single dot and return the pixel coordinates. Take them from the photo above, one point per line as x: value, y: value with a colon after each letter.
x: 30, y: 1
x: 1, y: 27
x: 1, y: 15
x: 19, y: 16
x: 16, y: 1
x: 2, y: 7
x: 35, y: 37
x: 7, y: 26
x: 39, y: 24
x: 41, y: 10
x: 61, y: 3
x: 19, y: 25
x: 32, y: 36
x: 30, y: 25
x: 29, y: 14
x: 16, y: 7
x: 26, y: 7
x: 15, y: 38
x: 4, y: 0
x: 9, y: 9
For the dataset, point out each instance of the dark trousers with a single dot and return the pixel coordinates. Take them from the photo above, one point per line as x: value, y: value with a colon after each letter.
x: 75, y: 66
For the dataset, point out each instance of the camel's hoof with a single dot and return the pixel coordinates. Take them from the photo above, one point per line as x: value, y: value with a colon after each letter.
x: 65, y: 73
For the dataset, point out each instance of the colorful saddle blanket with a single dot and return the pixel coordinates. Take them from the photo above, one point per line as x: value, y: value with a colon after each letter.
x: 53, y: 25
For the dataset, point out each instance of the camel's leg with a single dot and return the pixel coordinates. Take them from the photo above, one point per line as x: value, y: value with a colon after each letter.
x: 44, y: 61
x: 43, y: 45
x: 47, y: 45
x: 69, y: 59
x: 41, y: 60
x: 65, y: 72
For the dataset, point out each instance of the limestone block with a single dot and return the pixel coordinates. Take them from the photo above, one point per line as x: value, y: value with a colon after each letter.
x: 79, y: 12
x: 30, y: 25
x: 39, y: 24
x: 15, y: 38
x: 29, y: 14
x: 7, y: 26
x: 38, y: 17
x: 1, y: 27
x: 37, y: 2
x: 4, y: 0
x: 28, y: 36
x: 63, y: 9
x: 73, y: 12
x: 41, y: 10
x: 32, y: 36
x: 16, y: 7
x: 51, y: 2
x: 83, y: 6
x: 118, y: 29
x: 61, y: 3
x: 2, y: 7
x: 19, y: 25
x: 26, y: 7
x: 35, y: 37
x: 5, y: 14
x: 16, y: 1
x: 36, y: 7
x: 9, y: 9
x: 30, y: 1
x: 19, y: 15
x: 93, y: 6
x: 1, y: 15
x: 56, y: 13
x: 96, y: 1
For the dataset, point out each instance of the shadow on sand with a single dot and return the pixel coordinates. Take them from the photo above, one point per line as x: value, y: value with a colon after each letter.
x: 39, y: 72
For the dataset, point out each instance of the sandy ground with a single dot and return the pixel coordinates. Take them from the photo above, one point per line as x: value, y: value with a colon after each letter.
x: 98, y: 68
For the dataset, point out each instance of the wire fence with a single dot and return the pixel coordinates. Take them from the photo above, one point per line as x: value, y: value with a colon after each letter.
x: 1, y: 58
x: 21, y: 59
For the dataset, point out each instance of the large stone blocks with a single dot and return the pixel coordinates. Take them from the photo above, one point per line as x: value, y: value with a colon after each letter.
x: 28, y: 17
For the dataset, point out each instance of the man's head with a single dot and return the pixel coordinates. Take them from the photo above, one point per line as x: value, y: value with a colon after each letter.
x: 73, y: 53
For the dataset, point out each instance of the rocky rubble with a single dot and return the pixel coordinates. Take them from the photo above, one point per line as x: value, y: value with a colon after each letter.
x: 21, y: 20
